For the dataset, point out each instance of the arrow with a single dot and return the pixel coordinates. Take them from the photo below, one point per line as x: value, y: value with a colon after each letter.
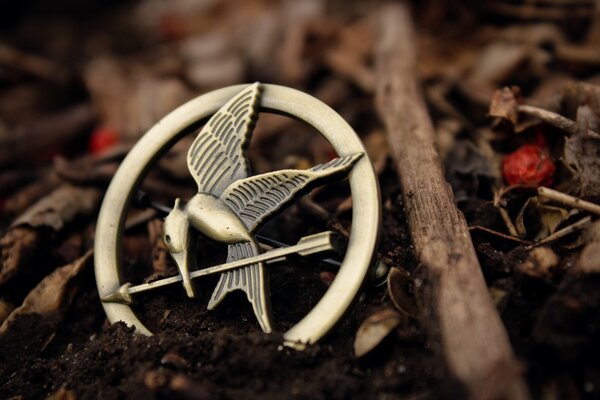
x: 142, y: 200
x: 306, y: 246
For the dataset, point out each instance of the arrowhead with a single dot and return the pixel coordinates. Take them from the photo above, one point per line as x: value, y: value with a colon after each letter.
x: 120, y: 296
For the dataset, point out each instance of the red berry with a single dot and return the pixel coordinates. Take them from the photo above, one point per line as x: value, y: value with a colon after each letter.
x: 529, y: 165
x: 101, y: 139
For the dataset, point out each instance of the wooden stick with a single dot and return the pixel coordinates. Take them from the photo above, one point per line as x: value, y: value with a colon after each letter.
x: 575, y: 202
x: 555, y: 119
x: 458, y: 308
x: 582, y: 223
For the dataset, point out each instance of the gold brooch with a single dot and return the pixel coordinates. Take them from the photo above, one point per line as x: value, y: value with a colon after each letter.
x: 231, y: 204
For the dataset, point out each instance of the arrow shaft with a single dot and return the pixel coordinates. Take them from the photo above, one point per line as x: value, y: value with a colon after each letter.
x: 269, y: 255
x: 321, y: 243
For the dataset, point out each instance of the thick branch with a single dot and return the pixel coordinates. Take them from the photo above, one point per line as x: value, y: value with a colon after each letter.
x: 456, y: 301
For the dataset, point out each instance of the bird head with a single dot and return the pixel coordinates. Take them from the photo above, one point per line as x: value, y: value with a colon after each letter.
x: 176, y: 236
x: 176, y: 229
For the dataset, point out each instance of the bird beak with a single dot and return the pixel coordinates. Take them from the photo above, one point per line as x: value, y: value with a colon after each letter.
x: 183, y: 263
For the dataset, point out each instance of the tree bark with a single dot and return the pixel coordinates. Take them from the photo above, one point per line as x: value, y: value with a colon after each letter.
x: 458, y: 310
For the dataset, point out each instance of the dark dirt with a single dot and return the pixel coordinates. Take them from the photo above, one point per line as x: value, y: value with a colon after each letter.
x: 222, y: 352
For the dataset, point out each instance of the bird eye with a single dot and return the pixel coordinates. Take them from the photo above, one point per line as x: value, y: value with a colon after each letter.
x: 168, y: 239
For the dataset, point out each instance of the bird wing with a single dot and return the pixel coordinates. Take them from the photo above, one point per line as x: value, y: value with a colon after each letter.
x: 254, y: 199
x: 217, y: 157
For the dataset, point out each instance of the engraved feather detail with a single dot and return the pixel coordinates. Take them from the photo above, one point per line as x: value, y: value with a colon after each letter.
x: 217, y: 156
x: 256, y: 198
x: 250, y: 279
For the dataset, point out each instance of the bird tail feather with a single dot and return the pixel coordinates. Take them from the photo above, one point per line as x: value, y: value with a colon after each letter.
x: 251, y: 279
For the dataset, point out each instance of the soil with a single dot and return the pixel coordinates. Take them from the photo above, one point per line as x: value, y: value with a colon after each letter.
x: 222, y: 353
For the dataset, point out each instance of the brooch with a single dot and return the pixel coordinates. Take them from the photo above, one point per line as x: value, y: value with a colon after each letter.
x: 231, y: 204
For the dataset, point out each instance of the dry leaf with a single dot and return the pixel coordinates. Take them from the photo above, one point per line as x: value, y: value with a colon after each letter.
x: 581, y: 93
x: 546, y: 219
x: 499, y: 296
x: 52, y: 293
x: 61, y: 207
x: 552, y: 217
x: 540, y: 263
x: 62, y: 394
x: 520, y: 220
x: 582, y: 152
x: 5, y: 309
x: 400, y: 290
x: 82, y: 173
x: 161, y: 259
x: 24, y: 198
x: 374, y: 329
x: 18, y: 249
x: 589, y: 259
x: 505, y: 105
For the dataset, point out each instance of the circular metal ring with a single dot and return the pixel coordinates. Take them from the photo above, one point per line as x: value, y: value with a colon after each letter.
x: 364, y: 188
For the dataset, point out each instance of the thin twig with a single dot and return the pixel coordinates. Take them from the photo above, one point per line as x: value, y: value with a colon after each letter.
x: 555, y: 119
x: 565, y: 231
x: 507, y: 221
x: 499, y: 234
x: 568, y: 200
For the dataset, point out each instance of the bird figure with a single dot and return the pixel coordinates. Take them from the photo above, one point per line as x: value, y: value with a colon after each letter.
x: 231, y: 204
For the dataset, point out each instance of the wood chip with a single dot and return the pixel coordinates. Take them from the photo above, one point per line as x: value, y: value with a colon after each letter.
x: 400, y: 290
x: 374, y: 329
